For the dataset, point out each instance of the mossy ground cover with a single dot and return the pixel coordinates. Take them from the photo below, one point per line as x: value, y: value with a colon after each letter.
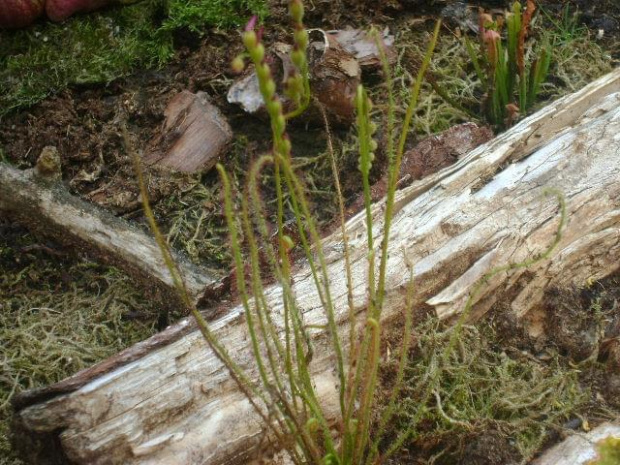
x: 502, y: 395
x: 487, y: 398
x: 60, y: 313
x: 97, y: 48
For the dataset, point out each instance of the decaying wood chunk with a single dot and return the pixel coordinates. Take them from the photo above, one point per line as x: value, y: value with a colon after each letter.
x: 43, y: 204
x: 429, y: 156
x: 178, y: 404
x: 335, y: 74
x: 193, y: 136
x: 363, y: 46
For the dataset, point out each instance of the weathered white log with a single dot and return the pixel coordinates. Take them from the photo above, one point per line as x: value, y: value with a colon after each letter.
x: 178, y: 403
x: 42, y: 203
x: 579, y: 449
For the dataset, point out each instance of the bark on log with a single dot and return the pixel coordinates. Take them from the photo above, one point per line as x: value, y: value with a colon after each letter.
x: 178, y: 403
x: 43, y: 204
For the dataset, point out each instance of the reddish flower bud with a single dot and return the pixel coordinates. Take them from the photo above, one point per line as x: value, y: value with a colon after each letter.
x: 490, y: 35
x: 251, y: 23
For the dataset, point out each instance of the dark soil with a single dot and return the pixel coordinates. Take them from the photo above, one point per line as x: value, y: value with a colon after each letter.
x: 84, y: 123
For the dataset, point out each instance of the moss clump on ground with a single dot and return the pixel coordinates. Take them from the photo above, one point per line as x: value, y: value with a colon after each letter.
x: 58, y: 315
x: 193, y: 219
x: 97, y: 48
x: 196, y: 15
x: 485, y: 399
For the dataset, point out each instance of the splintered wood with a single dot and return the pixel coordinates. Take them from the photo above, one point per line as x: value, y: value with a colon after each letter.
x: 178, y: 403
x: 579, y: 449
x: 194, y: 135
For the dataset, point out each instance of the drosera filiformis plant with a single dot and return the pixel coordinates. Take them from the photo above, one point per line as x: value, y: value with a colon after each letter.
x: 282, y: 390
x: 285, y: 383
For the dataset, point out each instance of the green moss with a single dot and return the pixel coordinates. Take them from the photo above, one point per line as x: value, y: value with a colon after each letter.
x: 59, y: 315
x: 192, y: 217
x: 482, y: 390
x: 97, y: 48
x: 100, y: 47
x: 196, y: 15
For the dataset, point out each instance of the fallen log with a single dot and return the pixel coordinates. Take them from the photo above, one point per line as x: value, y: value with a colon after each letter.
x: 178, y: 404
x: 38, y: 199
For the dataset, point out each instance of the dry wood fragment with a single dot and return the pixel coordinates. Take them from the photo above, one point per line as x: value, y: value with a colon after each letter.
x: 177, y: 404
x: 39, y: 200
x: 193, y: 136
x: 363, y: 46
x: 429, y: 156
x: 335, y: 75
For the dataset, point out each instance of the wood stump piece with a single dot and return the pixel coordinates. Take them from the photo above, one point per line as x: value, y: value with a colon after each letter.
x: 578, y: 449
x: 193, y: 136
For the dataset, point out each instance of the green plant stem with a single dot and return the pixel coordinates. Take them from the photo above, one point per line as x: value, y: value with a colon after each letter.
x: 282, y: 274
x: 358, y: 352
x: 240, y: 277
x: 304, y: 386
x: 368, y: 392
x: 245, y: 385
x: 477, y: 66
x: 281, y: 402
x: 390, y: 410
x: 267, y: 326
x: 302, y: 213
x: 345, y: 242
